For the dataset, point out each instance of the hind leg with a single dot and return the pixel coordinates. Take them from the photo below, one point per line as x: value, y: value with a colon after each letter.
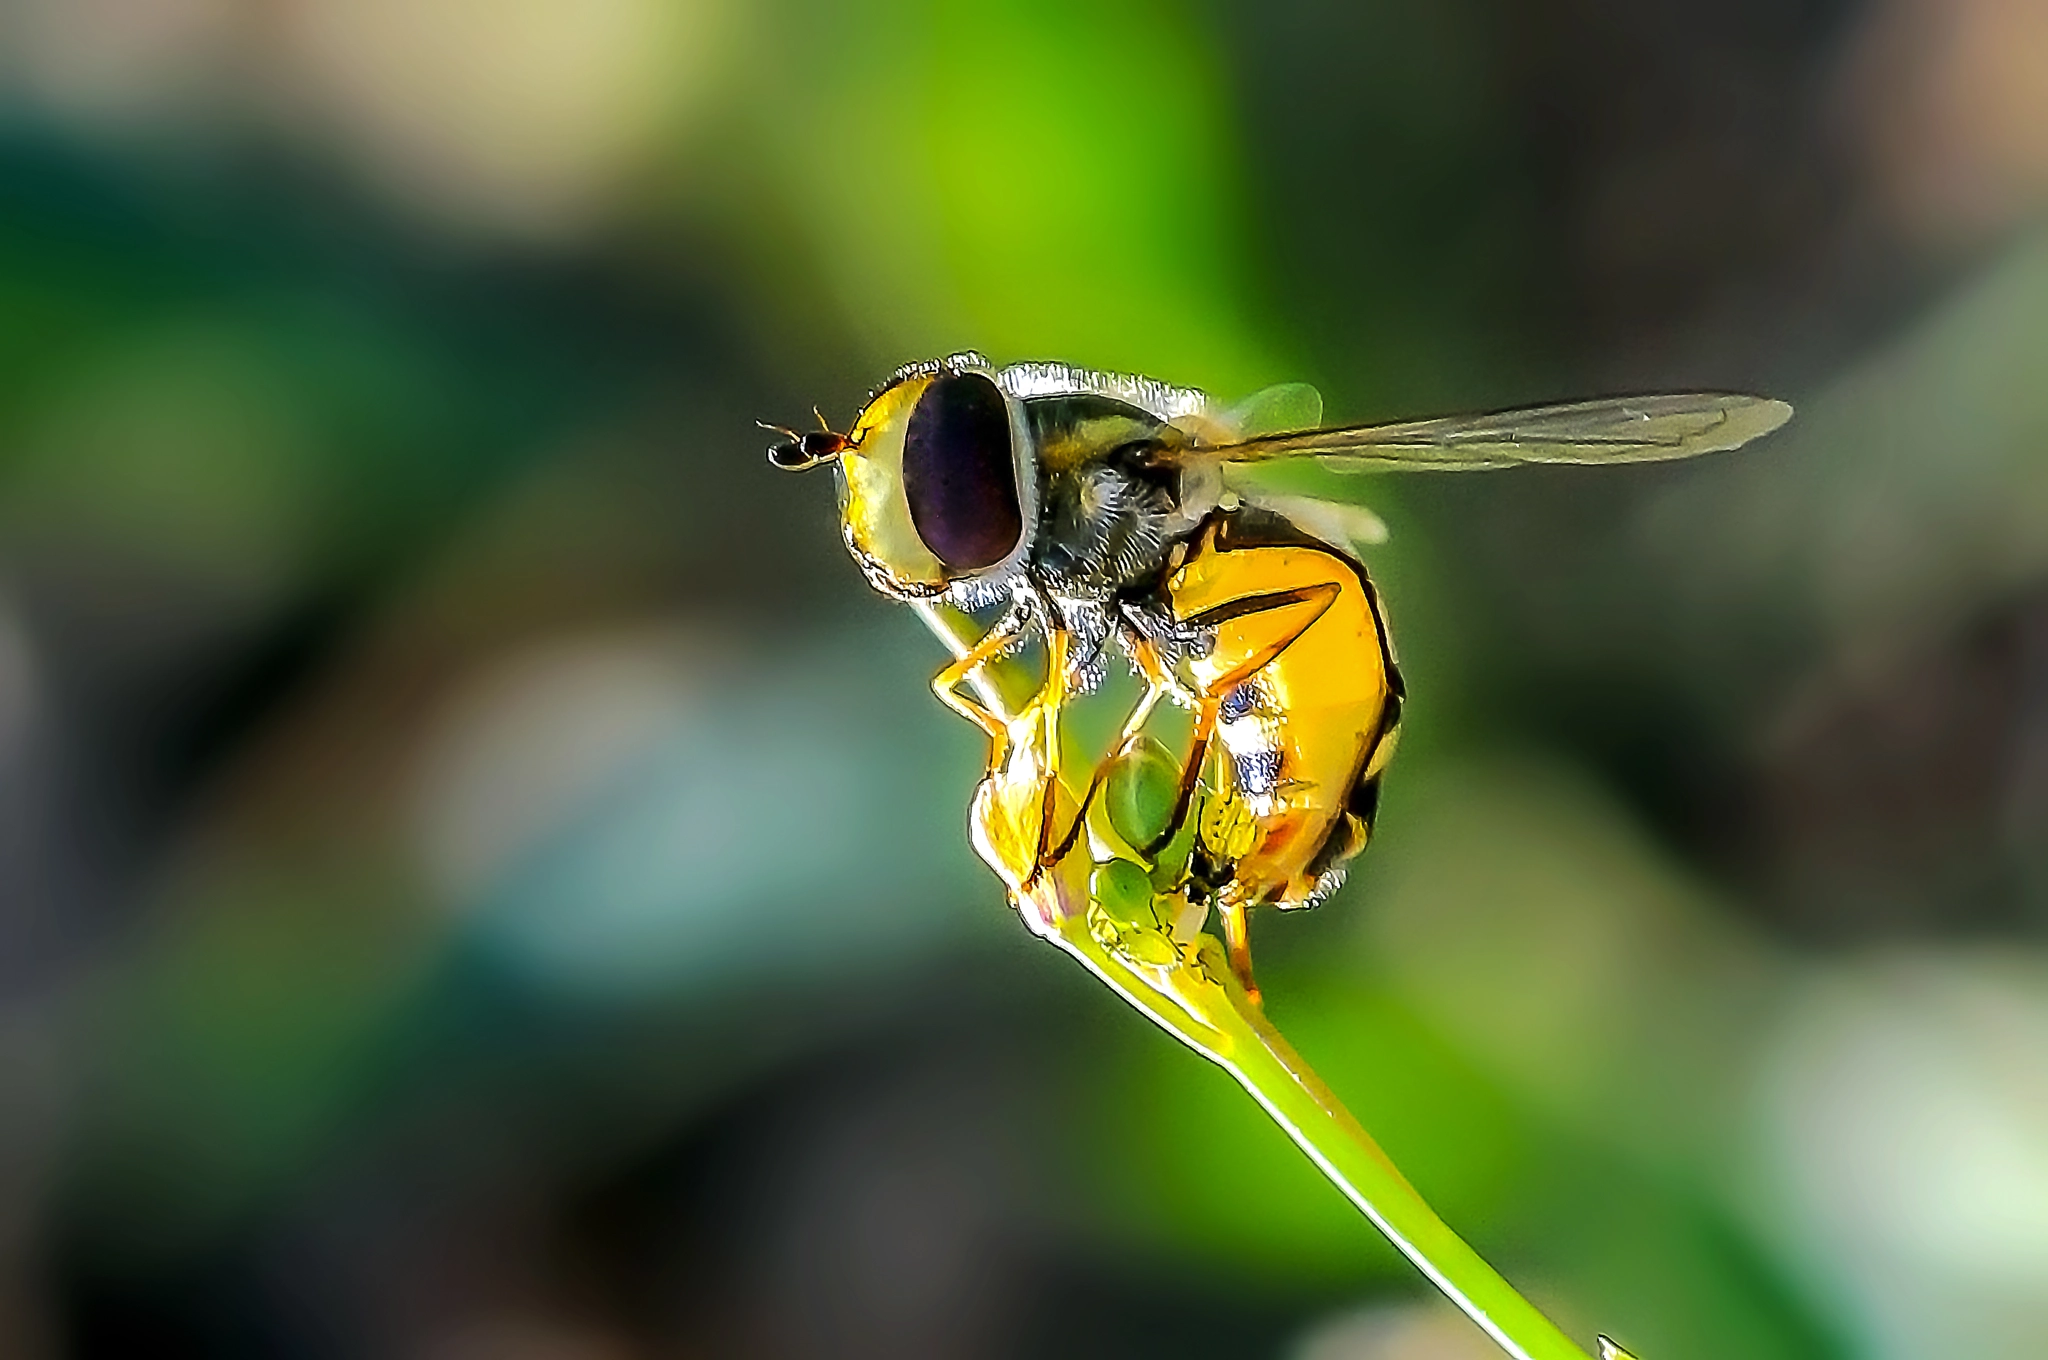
x: 1237, y: 940
x: 1253, y: 630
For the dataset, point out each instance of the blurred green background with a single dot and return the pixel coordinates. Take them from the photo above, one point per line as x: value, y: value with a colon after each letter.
x: 480, y: 876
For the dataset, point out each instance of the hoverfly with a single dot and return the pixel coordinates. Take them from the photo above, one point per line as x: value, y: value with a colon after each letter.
x: 1112, y: 509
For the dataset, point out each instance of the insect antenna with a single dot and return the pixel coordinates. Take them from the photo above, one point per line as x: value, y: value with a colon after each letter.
x: 799, y: 452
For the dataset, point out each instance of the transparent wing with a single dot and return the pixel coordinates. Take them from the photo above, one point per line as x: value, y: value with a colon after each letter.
x: 1272, y: 410
x: 1613, y: 430
x: 1336, y: 522
x: 1269, y: 411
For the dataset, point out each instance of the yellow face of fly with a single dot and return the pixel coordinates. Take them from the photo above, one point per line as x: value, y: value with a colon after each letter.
x: 937, y: 482
x: 874, y: 512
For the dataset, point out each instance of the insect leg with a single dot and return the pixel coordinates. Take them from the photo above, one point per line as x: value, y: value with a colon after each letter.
x: 1142, y: 647
x: 1237, y: 939
x: 1262, y: 627
x: 1160, y: 682
x: 1190, y: 774
x: 1050, y: 701
x: 948, y: 683
x: 1276, y: 619
x: 1133, y: 724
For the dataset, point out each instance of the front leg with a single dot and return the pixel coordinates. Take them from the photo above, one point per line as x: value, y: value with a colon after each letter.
x: 949, y: 682
x: 1050, y: 704
x: 1022, y: 806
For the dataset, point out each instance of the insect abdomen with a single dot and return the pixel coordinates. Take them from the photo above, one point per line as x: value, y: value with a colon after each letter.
x: 1307, y: 697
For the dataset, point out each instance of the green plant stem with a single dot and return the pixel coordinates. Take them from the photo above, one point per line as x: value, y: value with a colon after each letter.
x: 1201, y: 1003
x: 1214, y: 1017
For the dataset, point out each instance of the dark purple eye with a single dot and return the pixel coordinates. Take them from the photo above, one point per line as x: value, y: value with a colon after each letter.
x: 959, y: 473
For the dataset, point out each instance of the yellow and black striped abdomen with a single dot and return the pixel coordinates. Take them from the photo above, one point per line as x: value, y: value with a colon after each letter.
x: 1305, y: 699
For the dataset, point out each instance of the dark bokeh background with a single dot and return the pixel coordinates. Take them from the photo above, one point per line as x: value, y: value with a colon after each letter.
x: 481, y: 878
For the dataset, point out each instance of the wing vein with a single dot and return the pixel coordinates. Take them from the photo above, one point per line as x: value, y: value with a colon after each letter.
x: 1615, y: 430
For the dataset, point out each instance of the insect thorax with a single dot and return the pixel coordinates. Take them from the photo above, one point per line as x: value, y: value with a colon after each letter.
x: 1108, y: 511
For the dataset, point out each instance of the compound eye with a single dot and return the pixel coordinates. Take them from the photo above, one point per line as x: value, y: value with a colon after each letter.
x: 959, y: 473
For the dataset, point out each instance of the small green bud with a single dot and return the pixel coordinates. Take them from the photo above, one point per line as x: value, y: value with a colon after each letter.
x: 1140, y: 791
x: 1123, y: 893
x: 1150, y: 947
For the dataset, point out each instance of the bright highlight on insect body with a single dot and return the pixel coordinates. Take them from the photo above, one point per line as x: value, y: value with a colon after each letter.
x: 1108, y: 512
